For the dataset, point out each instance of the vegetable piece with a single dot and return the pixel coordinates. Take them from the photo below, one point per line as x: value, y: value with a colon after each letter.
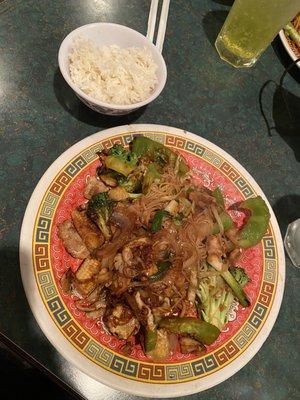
x: 133, y: 184
x: 226, y: 222
x: 157, y: 152
x: 200, y: 330
x: 178, y: 219
x: 150, y: 338
x: 154, y: 151
x: 99, y: 210
x: 229, y: 279
x: 240, y: 276
x: 120, y: 160
x: 157, y: 220
x: 151, y: 175
x: 216, y: 300
x: 163, y: 266
x: 172, y: 207
x: 158, y: 340
x: 292, y: 33
x: 257, y: 224
x: 185, y: 206
x: 217, y: 194
x: 183, y: 168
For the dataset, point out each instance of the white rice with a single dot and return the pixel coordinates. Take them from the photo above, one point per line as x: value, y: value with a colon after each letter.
x: 112, y: 74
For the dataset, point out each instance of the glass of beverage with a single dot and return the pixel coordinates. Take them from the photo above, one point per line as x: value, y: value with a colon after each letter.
x: 250, y: 27
x: 292, y: 242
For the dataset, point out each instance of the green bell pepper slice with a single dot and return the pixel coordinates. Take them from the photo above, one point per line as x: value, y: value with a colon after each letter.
x: 154, y: 151
x: 257, y: 224
x: 200, y: 330
x: 150, y: 339
x: 217, y: 194
x: 226, y: 222
x: 157, y: 220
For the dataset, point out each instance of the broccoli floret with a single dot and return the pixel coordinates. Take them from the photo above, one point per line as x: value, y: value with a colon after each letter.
x: 117, y: 150
x: 99, y: 210
x: 133, y: 183
x: 240, y: 276
x: 215, y: 300
x: 120, y: 160
x: 229, y: 279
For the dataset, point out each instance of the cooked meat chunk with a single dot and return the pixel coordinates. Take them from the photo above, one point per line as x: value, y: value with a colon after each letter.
x: 189, y: 345
x: 72, y: 241
x: 88, y: 231
x: 118, y: 194
x: 122, y: 323
x: 88, y: 269
x: 94, y: 186
x: 66, y: 281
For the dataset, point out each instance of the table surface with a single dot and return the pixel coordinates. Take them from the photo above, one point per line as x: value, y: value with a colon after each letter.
x: 40, y: 117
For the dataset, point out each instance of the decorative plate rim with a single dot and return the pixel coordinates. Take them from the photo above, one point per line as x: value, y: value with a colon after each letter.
x: 58, y: 339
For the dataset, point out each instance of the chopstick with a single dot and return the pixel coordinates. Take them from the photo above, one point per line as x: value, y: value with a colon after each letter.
x: 152, y: 19
x: 162, y: 23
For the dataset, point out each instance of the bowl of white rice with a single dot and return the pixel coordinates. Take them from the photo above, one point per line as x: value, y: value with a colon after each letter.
x: 113, y: 69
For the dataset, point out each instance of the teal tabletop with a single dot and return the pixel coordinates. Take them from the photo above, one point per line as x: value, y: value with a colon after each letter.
x: 244, y: 111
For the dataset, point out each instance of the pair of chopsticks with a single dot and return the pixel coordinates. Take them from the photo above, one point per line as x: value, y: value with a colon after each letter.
x: 162, y: 23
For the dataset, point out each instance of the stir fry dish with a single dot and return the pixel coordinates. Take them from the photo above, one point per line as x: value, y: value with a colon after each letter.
x: 159, y: 252
x: 292, y: 32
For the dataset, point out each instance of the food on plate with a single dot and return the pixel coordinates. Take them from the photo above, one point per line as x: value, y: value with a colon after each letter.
x: 160, y: 251
x: 72, y: 241
x: 292, y: 32
x: 112, y: 74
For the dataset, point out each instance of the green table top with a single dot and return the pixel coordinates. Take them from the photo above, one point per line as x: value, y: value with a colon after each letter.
x: 40, y: 117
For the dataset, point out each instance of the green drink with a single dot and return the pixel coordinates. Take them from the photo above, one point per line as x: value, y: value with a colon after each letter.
x: 250, y: 27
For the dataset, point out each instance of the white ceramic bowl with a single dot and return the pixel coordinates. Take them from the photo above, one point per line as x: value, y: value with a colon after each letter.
x: 106, y: 34
x: 288, y: 47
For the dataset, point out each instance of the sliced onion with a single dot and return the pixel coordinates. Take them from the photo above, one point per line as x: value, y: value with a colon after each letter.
x: 218, y: 219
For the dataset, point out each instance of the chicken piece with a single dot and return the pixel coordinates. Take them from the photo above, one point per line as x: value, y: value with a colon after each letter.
x: 118, y: 194
x: 122, y: 323
x: 94, y: 186
x: 234, y: 257
x: 189, y: 345
x: 94, y: 305
x: 72, y: 242
x: 214, y: 246
x: 120, y: 284
x: 87, y: 230
x: 66, y: 281
x: 88, y: 269
x: 138, y: 251
x: 109, y: 180
x: 233, y: 234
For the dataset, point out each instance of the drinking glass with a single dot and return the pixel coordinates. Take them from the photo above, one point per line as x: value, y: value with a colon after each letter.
x: 250, y: 27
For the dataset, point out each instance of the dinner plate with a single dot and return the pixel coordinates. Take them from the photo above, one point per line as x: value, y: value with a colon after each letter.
x: 288, y: 47
x: 83, y: 341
